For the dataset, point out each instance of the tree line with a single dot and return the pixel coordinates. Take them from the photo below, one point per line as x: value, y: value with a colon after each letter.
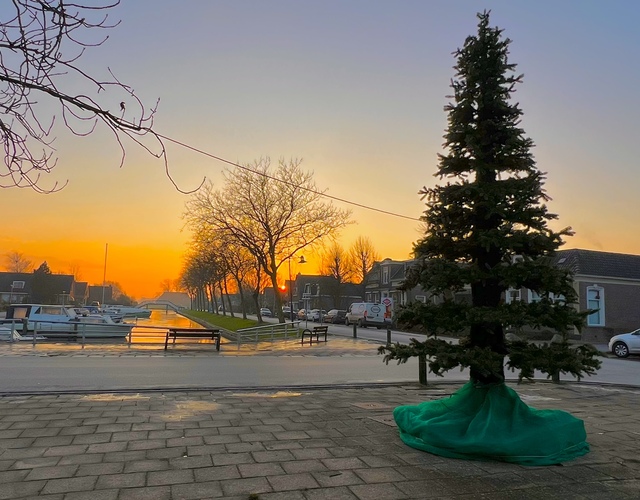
x: 261, y: 218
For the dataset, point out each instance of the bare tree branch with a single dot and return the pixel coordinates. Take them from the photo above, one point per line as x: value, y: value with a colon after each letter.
x: 41, y: 42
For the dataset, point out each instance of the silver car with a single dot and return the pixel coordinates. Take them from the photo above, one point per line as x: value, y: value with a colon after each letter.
x: 626, y: 343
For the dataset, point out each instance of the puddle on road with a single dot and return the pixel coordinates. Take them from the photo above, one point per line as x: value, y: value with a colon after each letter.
x: 114, y: 397
x: 279, y: 394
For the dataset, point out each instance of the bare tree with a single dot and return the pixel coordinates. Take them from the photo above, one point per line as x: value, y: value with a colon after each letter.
x: 335, y: 262
x: 41, y: 43
x: 74, y: 269
x: 273, y: 213
x: 362, y: 255
x: 16, y: 262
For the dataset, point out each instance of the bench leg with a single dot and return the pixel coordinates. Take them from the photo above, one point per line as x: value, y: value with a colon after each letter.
x: 218, y: 343
x: 166, y: 341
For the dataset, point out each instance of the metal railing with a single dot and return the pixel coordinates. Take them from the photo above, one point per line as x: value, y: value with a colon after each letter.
x: 43, y: 331
x: 267, y: 333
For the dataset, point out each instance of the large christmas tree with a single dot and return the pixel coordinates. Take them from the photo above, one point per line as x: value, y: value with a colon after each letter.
x: 487, y: 231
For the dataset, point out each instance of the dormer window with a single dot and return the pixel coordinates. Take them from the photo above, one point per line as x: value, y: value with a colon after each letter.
x: 385, y: 275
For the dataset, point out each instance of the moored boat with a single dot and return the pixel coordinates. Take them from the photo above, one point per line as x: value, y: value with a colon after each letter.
x: 56, y: 320
x: 128, y: 311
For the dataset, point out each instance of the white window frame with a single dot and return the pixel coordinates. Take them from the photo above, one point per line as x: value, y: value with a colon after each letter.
x: 385, y: 275
x: 421, y: 298
x: 591, y: 319
x: 513, y: 295
x: 534, y: 297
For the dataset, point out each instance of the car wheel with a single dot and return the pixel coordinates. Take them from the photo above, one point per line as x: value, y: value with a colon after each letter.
x: 360, y: 323
x: 620, y: 349
x: 346, y: 321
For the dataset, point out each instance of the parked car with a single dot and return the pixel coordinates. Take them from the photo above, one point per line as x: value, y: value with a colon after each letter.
x: 316, y: 314
x: 335, y: 316
x: 626, y: 343
x: 265, y: 311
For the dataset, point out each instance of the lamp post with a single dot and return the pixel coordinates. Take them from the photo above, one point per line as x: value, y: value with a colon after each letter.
x: 301, y: 261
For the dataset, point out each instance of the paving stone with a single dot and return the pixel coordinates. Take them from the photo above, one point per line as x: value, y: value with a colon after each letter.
x: 146, y: 444
x: 131, y: 480
x: 100, y: 469
x: 244, y: 447
x: 93, y: 458
x: 297, y: 466
x: 217, y: 473
x: 62, y: 451
x: 336, y: 478
x: 68, y: 485
x: 285, y: 495
x: 93, y: 495
x: 379, y: 475
x: 13, y: 476
x: 145, y: 465
x: 191, y: 462
x: 210, y: 489
x: 52, y: 472
x: 261, y: 469
x: 168, y: 477
x: 254, y: 485
x: 30, y: 463
x: 292, y: 482
x: 125, y: 456
x: 273, y: 456
x: 165, y: 453
x: 19, y: 453
x: 47, y: 442
x: 343, y: 463
x: 340, y: 493
x: 311, y: 453
x: 91, y: 438
x: 232, y: 458
x: 387, y: 491
x: 148, y: 493
x: 129, y: 436
x: 21, y: 489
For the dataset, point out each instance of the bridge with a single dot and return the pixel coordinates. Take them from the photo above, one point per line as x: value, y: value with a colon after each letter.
x: 159, y: 304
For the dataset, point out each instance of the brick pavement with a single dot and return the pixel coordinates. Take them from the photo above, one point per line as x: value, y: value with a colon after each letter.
x: 337, y: 443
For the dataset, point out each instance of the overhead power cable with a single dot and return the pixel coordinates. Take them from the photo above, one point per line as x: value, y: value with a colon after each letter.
x: 237, y: 165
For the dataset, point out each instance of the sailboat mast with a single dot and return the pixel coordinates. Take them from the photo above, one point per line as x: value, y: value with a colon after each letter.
x: 104, y: 276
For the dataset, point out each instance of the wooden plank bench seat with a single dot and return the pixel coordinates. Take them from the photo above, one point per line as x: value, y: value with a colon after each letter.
x: 193, y: 333
x: 316, y: 331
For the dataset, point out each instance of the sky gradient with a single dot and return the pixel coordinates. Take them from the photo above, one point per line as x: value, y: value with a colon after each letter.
x: 356, y: 88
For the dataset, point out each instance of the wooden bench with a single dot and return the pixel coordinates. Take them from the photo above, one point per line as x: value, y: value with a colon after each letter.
x: 193, y: 333
x: 316, y: 331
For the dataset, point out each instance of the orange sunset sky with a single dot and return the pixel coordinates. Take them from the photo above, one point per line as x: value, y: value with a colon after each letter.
x: 354, y: 88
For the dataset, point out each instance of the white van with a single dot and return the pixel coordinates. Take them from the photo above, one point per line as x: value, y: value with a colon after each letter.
x: 366, y: 314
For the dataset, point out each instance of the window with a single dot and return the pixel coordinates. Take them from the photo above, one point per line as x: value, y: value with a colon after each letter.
x: 595, y: 300
x: 535, y: 297
x: 513, y: 295
x: 421, y: 298
x: 385, y: 275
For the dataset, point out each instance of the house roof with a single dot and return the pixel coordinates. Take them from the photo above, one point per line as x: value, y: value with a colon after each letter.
x: 595, y: 263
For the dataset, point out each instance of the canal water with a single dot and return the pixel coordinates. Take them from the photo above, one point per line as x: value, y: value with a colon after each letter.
x: 154, y: 328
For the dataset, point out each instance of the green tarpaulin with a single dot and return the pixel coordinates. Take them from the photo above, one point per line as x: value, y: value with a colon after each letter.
x: 491, y: 423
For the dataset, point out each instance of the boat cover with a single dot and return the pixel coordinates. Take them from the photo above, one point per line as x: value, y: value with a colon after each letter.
x: 491, y: 422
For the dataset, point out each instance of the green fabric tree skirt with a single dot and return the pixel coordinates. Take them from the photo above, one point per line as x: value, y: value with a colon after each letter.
x: 491, y: 423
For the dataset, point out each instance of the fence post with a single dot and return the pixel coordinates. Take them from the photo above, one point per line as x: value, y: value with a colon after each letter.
x: 422, y: 369
x: 84, y: 326
x: 35, y: 333
x: 13, y: 327
x: 388, y: 336
x: 355, y: 331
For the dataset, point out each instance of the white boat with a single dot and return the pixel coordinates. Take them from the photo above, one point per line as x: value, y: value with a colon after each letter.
x: 9, y: 335
x: 128, y: 311
x: 56, y: 321
x: 96, y: 311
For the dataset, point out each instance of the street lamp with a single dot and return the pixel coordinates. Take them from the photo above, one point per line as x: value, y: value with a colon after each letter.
x: 301, y: 261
